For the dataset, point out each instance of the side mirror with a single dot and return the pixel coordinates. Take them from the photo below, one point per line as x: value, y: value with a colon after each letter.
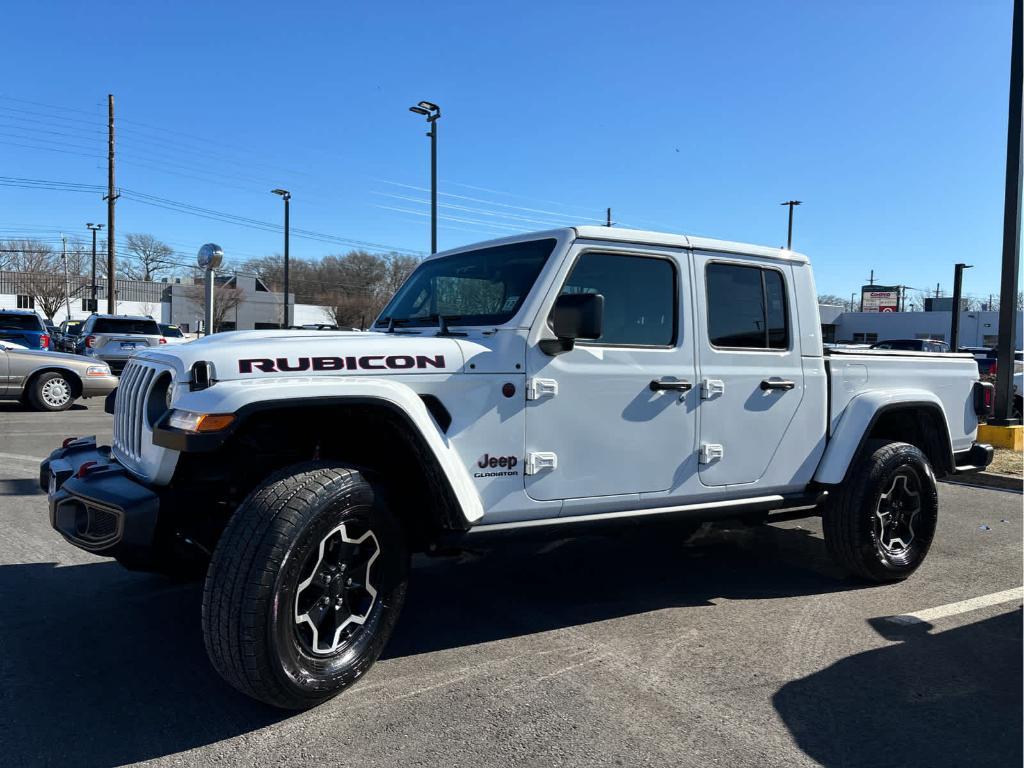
x: 574, y: 316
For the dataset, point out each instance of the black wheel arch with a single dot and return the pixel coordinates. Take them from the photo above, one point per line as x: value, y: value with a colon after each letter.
x: 372, y: 434
x: 919, y: 423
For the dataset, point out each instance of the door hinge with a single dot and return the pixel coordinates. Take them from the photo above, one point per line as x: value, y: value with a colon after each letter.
x: 539, y: 388
x: 710, y: 452
x: 711, y: 387
x: 540, y: 461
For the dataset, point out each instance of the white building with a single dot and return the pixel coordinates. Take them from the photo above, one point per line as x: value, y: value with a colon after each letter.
x: 178, y: 301
x: 977, y: 329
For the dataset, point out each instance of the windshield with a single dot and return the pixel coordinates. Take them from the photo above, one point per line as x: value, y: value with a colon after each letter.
x: 119, y: 325
x: 20, y: 323
x: 171, y: 330
x: 484, y: 287
x: 73, y: 329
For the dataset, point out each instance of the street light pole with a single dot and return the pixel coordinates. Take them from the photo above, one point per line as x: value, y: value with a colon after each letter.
x: 432, y: 112
x: 954, y: 330
x: 789, y: 235
x: 94, y: 228
x: 1003, y: 415
x: 287, y: 197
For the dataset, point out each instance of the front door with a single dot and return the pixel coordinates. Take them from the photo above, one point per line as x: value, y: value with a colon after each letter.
x: 750, y: 366
x: 610, y: 430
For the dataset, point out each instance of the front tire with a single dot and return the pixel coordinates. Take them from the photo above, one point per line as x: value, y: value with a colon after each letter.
x: 305, y: 586
x: 51, y: 391
x: 880, y: 523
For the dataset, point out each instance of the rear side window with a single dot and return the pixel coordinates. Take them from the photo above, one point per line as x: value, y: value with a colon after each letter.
x: 21, y: 323
x: 746, y: 307
x: 639, y: 297
x: 119, y: 325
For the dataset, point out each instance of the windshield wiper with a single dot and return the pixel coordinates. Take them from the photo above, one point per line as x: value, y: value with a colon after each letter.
x: 442, y: 323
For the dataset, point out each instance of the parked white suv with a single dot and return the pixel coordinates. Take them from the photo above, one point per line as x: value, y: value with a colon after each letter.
x: 115, y: 338
x: 577, y: 377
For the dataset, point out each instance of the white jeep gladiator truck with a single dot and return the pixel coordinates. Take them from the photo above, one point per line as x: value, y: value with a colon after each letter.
x: 579, y: 377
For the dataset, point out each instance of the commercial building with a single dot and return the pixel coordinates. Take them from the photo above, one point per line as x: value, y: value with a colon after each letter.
x: 178, y: 301
x: 977, y: 328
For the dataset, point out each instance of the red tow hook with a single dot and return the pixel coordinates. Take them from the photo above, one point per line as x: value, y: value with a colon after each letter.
x: 84, y: 469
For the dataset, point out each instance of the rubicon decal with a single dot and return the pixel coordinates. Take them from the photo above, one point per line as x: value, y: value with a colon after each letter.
x: 351, y: 363
x: 506, y: 466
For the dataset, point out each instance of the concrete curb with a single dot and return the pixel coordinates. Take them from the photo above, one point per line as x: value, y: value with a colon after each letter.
x: 989, y: 480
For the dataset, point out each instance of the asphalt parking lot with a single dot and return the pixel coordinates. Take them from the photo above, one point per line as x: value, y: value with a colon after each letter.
x: 744, y: 647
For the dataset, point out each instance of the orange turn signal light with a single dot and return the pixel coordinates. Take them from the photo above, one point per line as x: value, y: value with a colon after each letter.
x: 214, y: 422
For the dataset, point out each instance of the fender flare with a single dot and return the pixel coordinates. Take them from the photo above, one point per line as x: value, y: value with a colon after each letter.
x: 247, y: 398
x: 860, y: 416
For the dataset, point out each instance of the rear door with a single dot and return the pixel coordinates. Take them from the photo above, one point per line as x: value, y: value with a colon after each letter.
x: 750, y: 366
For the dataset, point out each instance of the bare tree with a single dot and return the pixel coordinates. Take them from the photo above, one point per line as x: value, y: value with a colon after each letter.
x: 147, y: 257
x: 41, y: 273
x: 225, y: 298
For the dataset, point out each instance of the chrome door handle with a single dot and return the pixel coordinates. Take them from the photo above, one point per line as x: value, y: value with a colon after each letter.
x: 678, y: 385
x: 768, y: 384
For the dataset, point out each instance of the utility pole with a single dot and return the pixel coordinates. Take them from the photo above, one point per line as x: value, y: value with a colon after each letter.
x: 853, y: 297
x: 110, y: 198
x: 67, y: 297
x: 954, y: 328
x: 1008, y: 285
x: 287, y: 197
x: 936, y: 290
x: 608, y: 220
x: 789, y: 236
x: 94, y: 228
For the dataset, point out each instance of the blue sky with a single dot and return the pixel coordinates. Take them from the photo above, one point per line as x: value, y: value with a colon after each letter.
x: 888, y: 119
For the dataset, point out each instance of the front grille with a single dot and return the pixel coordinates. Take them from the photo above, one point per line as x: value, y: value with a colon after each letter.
x: 130, y: 408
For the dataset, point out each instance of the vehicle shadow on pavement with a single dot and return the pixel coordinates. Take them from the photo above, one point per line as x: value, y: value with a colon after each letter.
x: 949, y: 698
x: 101, y: 666
x: 523, y: 587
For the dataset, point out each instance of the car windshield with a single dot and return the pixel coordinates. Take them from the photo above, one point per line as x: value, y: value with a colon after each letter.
x: 171, y: 330
x: 20, y: 323
x: 125, y: 325
x: 482, y: 287
x: 73, y: 329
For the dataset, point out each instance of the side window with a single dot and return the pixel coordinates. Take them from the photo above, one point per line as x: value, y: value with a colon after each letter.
x: 747, y: 307
x: 640, y: 297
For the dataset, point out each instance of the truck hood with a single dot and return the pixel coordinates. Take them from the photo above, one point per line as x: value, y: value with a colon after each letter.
x: 267, y: 354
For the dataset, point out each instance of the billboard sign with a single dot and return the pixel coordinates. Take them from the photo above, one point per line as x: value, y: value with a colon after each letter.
x: 880, y: 298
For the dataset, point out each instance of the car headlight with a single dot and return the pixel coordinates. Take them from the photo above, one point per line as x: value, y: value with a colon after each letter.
x: 98, y: 370
x: 189, y: 421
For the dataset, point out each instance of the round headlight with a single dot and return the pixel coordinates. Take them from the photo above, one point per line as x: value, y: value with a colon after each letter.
x: 159, y: 400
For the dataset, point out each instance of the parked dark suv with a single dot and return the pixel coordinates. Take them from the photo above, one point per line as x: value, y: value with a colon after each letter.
x: 913, y: 345
x: 24, y: 327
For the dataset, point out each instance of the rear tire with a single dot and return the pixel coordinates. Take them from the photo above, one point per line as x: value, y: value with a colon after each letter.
x: 50, y: 391
x: 880, y: 523
x: 305, y: 586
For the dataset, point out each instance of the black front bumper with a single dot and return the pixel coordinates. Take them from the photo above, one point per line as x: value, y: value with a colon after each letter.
x: 96, y: 504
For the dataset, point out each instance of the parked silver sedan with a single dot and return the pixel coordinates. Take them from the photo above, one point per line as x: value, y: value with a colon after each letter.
x: 51, y: 381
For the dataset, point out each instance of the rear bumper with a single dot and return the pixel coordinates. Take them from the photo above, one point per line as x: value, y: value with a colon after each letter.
x: 96, y: 504
x: 975, y: 459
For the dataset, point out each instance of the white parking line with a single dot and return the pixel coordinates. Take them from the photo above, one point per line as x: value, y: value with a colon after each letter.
x: 953, y: 609
x: 33, y: 460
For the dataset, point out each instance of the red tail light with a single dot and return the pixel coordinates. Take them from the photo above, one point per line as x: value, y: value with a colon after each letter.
x: 89, y: 341
x: 163, y: 340
x: 44, y: 341
x: 984, y: 398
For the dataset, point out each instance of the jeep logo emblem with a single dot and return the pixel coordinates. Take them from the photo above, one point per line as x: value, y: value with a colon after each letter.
x: 505, y: 466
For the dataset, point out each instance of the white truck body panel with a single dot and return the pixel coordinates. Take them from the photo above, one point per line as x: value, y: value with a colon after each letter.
x: 615, y: 445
